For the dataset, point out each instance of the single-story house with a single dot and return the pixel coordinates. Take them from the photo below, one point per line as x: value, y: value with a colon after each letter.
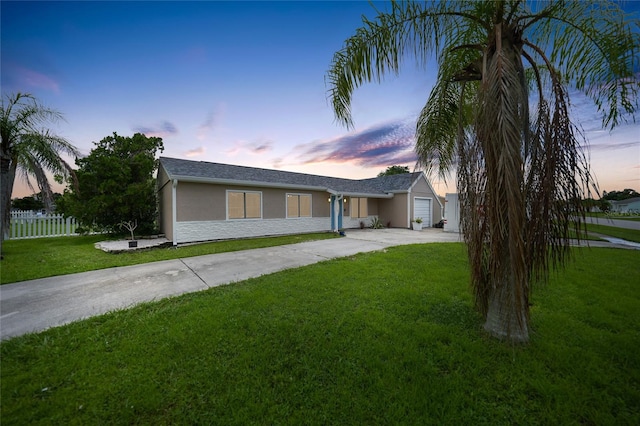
x: 203, y: 201
x: 630, y: 205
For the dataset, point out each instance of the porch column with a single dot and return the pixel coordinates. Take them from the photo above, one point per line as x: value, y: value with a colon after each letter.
x: 336, y: 212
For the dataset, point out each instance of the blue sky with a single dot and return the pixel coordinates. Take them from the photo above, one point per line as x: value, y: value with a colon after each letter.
x: 235, y: 82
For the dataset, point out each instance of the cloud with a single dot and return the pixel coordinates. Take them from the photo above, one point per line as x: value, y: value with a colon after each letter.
x: 613, y: 146
x: 253, y: 148
x: 196, y: 152
x: 378, y: 146
x: 213, y: 119
x: 261, y: 148
x: 19, y: 76
x: 163, y: 130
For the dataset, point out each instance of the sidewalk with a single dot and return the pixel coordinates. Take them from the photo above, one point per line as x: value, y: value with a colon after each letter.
x: 36, y: 305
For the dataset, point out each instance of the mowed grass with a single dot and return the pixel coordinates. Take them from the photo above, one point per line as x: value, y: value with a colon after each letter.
x: 621, y: 216
x: 388, y: 337
x: 46, y: 257
x: 612, y: 231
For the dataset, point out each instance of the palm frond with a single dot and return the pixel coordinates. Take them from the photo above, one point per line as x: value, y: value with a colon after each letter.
x: 521, y: 175
x: 596, y: 48
x: 381, y: 45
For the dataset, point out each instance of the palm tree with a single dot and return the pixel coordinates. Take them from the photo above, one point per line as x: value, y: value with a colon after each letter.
x: 28, y: 150
x: 521, y: 172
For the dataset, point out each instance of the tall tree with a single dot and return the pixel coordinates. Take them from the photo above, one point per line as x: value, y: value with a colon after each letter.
x: 520, y: 170
x: 28, y: 150
x: 116, y: 184
x: 620, y: 195
x: 394, y: 170
x: 32, y: 202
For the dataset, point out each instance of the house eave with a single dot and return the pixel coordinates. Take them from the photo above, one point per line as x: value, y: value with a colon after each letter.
x: 260, y: 184
x: 366, y: 195
x: 236, y: 182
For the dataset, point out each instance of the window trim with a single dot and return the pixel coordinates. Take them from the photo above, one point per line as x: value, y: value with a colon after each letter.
x: 245, y: 192
x: 297, y: 194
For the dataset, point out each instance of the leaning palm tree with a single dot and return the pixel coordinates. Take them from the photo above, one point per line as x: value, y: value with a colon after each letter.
x: 499, y: 114
x: 28, y: 150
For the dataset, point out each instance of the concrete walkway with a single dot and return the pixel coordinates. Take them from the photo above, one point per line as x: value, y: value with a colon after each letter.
x: 32, y: 306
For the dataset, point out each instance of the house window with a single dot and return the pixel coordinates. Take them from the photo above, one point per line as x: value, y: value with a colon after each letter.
x: 359, y: 207
x: 244, y: 205
x: 298, y: 205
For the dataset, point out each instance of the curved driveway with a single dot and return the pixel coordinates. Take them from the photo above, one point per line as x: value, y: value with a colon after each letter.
x: 32, y: 306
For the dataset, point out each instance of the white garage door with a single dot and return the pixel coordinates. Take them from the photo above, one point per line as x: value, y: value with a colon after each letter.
x: 422, y: 208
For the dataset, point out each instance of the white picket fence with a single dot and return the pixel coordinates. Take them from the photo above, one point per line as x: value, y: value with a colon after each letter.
x: 30, y: 224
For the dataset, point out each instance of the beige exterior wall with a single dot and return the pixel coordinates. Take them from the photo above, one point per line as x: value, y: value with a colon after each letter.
x: 372, y: 205
x: 205, y: 202
x: 201, y: 211
x: 422, y: 189
x: 164, y: 199
x: 393, y: 211
x: 199, y: 202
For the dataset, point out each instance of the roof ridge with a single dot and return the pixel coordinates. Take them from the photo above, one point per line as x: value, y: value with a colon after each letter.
x: 257, y: 168
x: 207, y: 171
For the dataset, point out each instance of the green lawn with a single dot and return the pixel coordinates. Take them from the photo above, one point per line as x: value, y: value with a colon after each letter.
x: 612, y: 231
x: 389, y: 337
x: 45, y: 257
x: 620, y: 216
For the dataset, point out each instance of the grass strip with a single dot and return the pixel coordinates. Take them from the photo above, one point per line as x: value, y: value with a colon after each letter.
x: 621, y: 216
x: 389, y: 337
x: 46, y: 257
x: 612, y: 231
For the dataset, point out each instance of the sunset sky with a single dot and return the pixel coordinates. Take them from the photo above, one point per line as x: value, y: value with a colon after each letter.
x: 239, y: 83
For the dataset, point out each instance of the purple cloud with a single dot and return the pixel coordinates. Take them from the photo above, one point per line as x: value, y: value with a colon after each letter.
x: 213, y: 119
x: 254, y: 148
x: 613, y: 146
x: 196, y: 152
x: 164, y: 129
x: 27, y: 79
x: 378, y: 146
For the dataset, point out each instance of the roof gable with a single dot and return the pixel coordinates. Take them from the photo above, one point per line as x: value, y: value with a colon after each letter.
x: 202, y: 171
x: 627, y: 201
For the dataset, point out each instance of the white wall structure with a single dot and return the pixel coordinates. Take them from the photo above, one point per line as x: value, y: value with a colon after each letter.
x: 451, y: 213
x: 227, y: 230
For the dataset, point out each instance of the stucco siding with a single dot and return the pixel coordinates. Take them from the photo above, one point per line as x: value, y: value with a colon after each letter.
x: 199, y: 201
x: 393, y: 211
x: 320, y: 206
x: 230, y: 229
x: 205, y: 202
x: 372, y: 206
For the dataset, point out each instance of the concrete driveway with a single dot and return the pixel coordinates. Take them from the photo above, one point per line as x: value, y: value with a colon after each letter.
x: 36, y: 305
x: 618, y: 223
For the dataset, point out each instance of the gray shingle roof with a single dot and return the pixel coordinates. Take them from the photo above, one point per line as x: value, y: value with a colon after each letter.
x: 217, y: 172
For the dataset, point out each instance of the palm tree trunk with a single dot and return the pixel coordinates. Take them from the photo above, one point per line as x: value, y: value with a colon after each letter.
x: 6, y: 184
x: 8, y: 179
x: 501, y: 131
x: 507, y: 317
